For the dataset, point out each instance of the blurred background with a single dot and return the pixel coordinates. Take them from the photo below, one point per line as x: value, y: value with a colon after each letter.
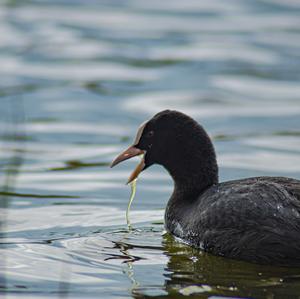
x: 77, y: 79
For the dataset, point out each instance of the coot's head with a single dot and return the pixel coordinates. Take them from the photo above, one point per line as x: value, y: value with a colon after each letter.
x: 175, y: 141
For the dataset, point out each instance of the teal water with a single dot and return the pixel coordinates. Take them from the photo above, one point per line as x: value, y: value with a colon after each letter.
x: 77, y: 79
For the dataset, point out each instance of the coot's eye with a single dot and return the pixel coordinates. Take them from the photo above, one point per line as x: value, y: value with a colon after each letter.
x: 150, y: 134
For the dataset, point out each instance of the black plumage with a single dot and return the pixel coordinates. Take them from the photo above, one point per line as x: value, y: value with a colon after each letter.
x: 255, y: 219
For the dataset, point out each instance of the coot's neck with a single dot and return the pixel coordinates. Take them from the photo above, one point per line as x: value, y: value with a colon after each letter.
x: 192, y: 165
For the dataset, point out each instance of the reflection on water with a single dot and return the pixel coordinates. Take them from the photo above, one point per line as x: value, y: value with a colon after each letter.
x: 227, y: 277
x: 77, y: 79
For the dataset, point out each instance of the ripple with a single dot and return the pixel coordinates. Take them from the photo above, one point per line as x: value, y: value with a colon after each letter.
x: 216, y: 52
x: 286, y: 143
x: 215, y: 6
x: 289, y: 3
x: 265, y: 89
x: 77, y: 71
x: 227, y: 106
x: 127, y: 20
x: 272, y: 162
x: 60, y: 218
x: 119, y: 247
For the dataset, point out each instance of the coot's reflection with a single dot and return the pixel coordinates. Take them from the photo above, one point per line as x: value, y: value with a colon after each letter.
x: 228, y: 278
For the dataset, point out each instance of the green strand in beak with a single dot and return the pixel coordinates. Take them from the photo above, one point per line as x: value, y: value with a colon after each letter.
x: 132, y: 195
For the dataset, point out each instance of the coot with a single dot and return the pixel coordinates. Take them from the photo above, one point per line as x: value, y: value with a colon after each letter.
x: 255, y: 219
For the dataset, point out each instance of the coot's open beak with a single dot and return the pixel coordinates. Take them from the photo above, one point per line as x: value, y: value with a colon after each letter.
x: 132, y: 151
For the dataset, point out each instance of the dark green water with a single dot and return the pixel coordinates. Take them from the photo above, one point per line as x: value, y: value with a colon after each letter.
x: 77, y: 78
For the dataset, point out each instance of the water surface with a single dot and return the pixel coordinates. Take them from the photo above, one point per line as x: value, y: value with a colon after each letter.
x: 77, y: 79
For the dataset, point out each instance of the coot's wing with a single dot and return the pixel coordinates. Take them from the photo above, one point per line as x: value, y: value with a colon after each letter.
x: 291, y: 185
x: 256, y: 219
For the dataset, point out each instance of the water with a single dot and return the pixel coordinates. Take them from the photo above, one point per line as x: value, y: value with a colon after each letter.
x: 77, y: 79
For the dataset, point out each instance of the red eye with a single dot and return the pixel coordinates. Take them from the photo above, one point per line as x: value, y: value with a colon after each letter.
x: 150, y: 134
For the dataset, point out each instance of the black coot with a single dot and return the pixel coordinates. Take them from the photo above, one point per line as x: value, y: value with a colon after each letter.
x: 255, y: 219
